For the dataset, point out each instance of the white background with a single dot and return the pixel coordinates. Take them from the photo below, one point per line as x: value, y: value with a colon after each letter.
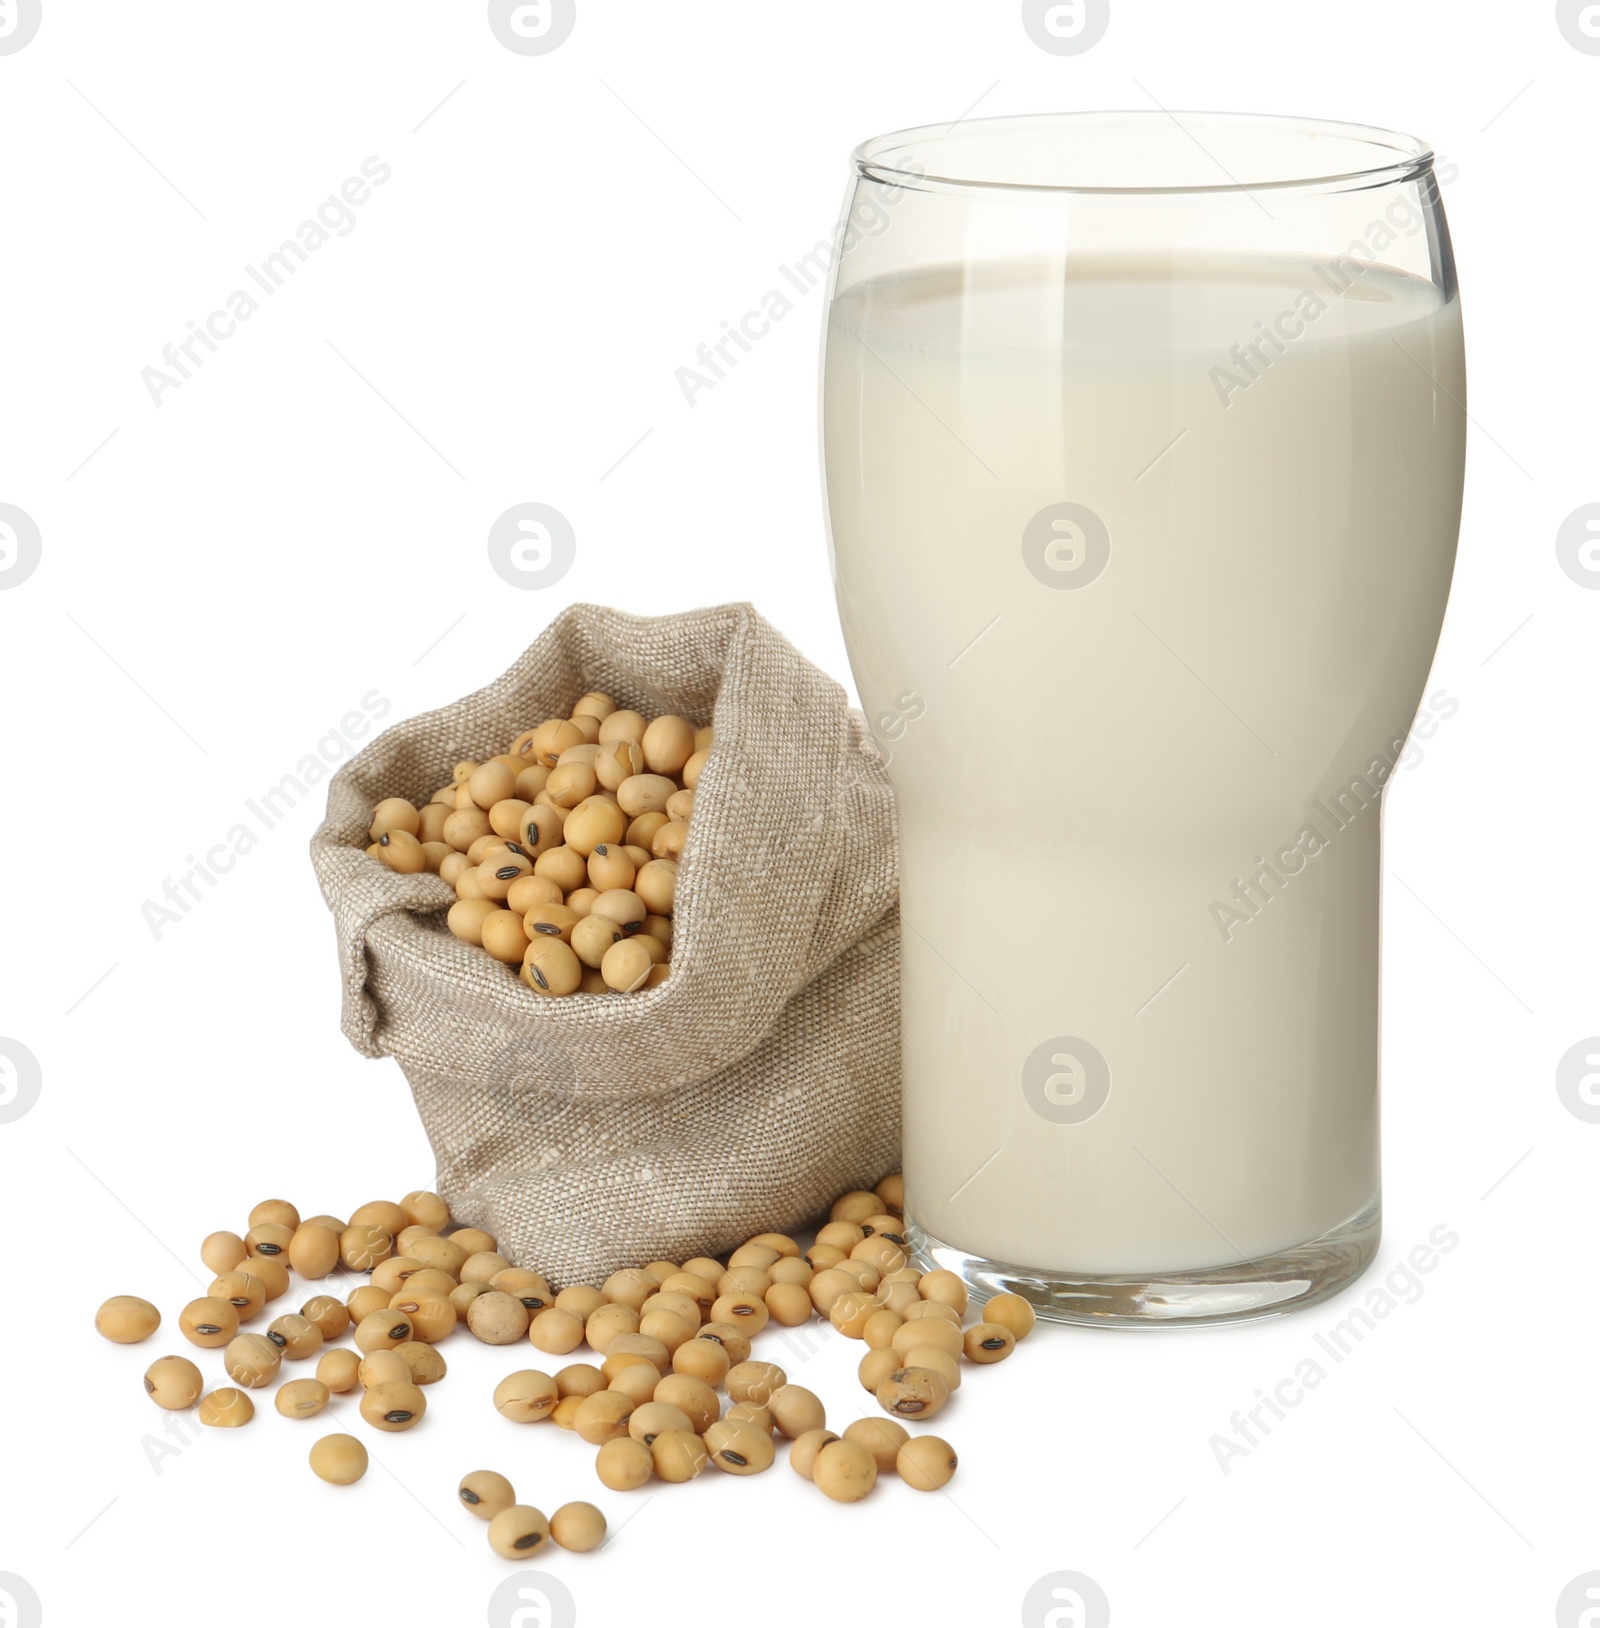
x: 304, y: 521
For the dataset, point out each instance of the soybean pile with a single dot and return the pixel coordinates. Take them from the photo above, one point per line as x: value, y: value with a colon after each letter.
x: 676, y: 1385
x: 564, y: 850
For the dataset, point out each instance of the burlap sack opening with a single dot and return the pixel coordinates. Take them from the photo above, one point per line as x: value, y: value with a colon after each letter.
x: 746, y: 1092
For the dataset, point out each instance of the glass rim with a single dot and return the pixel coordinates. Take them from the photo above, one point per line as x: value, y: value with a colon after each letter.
x: 1397, y: 157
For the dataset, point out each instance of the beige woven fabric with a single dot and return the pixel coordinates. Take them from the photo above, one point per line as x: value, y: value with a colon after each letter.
x: 746, y: 1092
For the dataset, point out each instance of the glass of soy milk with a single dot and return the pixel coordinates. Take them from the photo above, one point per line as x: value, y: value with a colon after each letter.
x: 1143, y: 441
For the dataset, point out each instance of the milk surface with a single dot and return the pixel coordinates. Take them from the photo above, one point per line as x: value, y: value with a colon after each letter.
x: 1141, y: 564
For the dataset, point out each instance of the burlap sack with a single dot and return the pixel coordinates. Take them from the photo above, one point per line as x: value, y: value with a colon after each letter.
x: 746, y: 1092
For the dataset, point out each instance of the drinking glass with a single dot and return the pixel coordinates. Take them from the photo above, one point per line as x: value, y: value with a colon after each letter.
x: 1143, y: 442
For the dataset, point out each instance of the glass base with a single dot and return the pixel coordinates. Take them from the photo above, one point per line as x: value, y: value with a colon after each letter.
x: 1289, y: 1281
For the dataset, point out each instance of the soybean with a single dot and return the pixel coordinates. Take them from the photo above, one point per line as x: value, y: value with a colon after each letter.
x: 752, y: 1413
x: 313, y: 1250
x: 474, y: 1240
x: 244, y: 1291
x: 668, y: 744
x: 482, y: 1264
x: 556, y: 1331
x: 668, y: 843
x: 694, y: 1396
x: 518, y: 1532
x: 616, y: 761
x: 125, y: 1319
x: 845, y: 1471
x: 926, y: 1463
x: 173, y: 1383
x: 945, y: 1288
x: 746, y: 1280
x: 637, y: 1382
x: 581, y: 1300
x: 339, y: 1459
x: 579, y: 1527
x: 803, y: 1455
x: 755, y: 1381
x: 880, y: 1252
x: 1011, y: 1312
x: 528, y: 1287
x: 432, y: 1314
x: 867, y: 1277
x: 222, y: 1251
x: 827, y: 1285
x: 629, y: 1288
x: 340, y: 1371
x: 936, y: 1309
x: 547, y: 921
x: 624, y: 1463
x: 587, y: 815
x: 497, y: 1318
x: 366, y: 1300
x: 384, y: 1330
x: 856, y: 1206
x: 301, y: 1398
x: 603, y: 1416
x: 579, y: 1379
x: 425, y: 1209
x: 592, y: 936
x: 913, y: 1393
x: 650, y: 1419
x: 269, y: 1238
x: 739, y: 1447
x: 608, y: 1323
x: 384, y: 1368
x: 208, y: 1322
x: 624, y: 724
x: 226, y: 1409
x: 526, y: 1396
x: 795, y: 1410
x: 988, y: 1342
x: 851, y: 1311
x: 425, y: 1365
x: 393, y: 1406
x: 927, y: 1331
x: 503, y: 933
x: 271, y: 1273
x: 735, y: 1341
x: 467, y: 916
x: 439, y: 1254
x: 670, y: 1327
x: 876, y: 1367
x: 678, y: 1455
x: 936, y: 1361
x: 702, y: 1359
x: 656, y: 884
x: 552, y: 969
x: 298, y: 1336
x: 402, y: 852
x: 462, y: 1296
x: 883, y: 1438
x: 491, y: 783
x: 362, y: 1246
x: 394, y: 814
x: 485, y: 1493
x: 252, y: 1360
